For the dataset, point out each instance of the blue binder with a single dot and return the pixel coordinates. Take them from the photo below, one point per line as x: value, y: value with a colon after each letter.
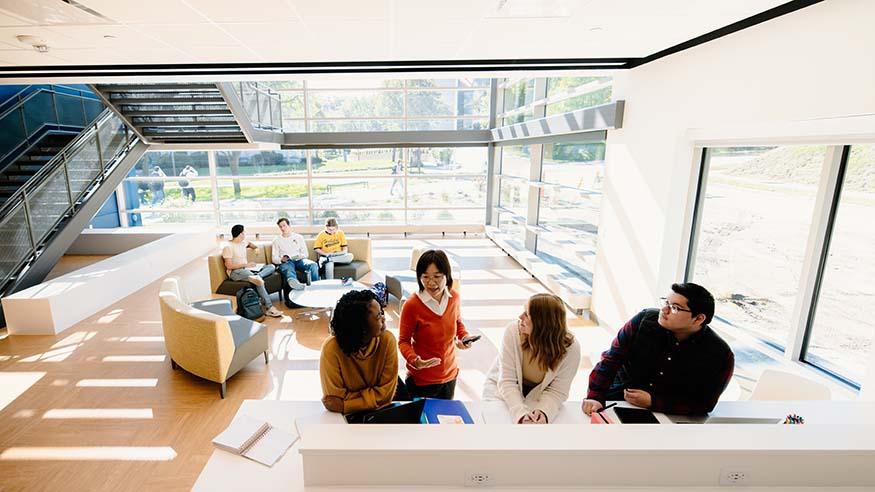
x: 435, y: 407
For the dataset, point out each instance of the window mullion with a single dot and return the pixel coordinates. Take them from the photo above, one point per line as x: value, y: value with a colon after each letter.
x: 816, y: 249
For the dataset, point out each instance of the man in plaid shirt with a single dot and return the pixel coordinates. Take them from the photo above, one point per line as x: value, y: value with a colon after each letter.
x: 668, y: 359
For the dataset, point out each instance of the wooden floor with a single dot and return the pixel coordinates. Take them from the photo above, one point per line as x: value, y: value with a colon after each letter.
x: 99, y: 408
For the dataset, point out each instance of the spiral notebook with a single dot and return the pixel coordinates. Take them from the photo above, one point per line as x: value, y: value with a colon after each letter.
x: 255, y: 439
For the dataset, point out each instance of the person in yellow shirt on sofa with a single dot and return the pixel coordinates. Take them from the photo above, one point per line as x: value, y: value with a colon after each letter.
x: 331, y: 247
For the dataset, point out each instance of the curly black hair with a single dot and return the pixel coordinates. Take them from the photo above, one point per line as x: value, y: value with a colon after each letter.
x: 349, y: 323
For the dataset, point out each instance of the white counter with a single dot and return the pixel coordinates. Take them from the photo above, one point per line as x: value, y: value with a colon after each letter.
x: 335, y: 457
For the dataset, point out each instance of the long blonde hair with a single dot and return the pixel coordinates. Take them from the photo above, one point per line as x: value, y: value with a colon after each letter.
x: 550, y: 338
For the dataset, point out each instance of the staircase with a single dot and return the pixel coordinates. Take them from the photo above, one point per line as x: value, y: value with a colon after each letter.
x: 174, y: 113
x: 29, y: 163
x: 45, y: 214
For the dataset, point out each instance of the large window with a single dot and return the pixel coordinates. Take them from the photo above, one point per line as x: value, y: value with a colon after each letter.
x: 754, y: 223
x: 158, y: 192
x: 516, y: 161
x: 569, y: 93
x: 364, y: 104
x: 385, y: 186
x: 548, y: 198
x: 784, y: 243
x: 843, y: 329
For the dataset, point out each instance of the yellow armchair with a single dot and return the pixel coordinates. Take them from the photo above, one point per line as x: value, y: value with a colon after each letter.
x: 206, y: 338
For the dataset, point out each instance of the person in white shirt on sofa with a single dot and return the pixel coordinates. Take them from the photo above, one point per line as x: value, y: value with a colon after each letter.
x: 538, y: 360
x: 240, y: 269
x: 290, y: 255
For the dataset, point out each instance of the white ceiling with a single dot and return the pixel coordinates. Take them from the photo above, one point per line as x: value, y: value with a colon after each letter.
x: 254, y: 31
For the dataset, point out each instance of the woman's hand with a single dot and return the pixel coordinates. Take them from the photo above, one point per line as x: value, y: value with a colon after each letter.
x: 534, y: 417
x: 421, y: 363
x: 460, y: 344
x: 333, y: 403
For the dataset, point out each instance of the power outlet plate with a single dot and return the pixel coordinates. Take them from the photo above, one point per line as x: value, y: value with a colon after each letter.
x: 477, y: 479
x: 734, y: 476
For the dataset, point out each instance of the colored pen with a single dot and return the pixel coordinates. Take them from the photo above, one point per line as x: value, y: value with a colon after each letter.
x: 600, y: 410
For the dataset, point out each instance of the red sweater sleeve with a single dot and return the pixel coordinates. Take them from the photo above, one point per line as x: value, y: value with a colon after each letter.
x: 406, y: 328
x: 461, y: 330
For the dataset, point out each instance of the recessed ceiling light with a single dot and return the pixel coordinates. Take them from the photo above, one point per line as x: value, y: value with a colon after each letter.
x: 108, y: 36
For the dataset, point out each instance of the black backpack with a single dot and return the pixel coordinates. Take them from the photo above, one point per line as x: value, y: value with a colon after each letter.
x: 249, y: 304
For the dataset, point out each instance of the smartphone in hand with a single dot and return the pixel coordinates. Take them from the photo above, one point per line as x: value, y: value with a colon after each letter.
x: 468, y: 340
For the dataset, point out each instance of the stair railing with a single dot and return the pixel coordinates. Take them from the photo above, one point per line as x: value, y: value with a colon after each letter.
x: 262, y: 104
x: 32, y: 213
x: 37, y: 109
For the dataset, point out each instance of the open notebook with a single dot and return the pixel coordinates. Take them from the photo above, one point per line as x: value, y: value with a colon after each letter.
x: 255, y: 439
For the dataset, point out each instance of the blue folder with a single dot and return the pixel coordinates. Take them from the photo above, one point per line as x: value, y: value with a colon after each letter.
x: 435, y: 407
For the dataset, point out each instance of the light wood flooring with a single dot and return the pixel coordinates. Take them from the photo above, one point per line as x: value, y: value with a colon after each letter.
x: 99, y: 408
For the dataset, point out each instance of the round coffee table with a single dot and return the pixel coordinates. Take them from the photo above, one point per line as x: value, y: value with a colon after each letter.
x: 322, y: 295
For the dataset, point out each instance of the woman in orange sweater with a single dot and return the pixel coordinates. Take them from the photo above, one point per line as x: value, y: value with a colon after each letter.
x: 431, y: 330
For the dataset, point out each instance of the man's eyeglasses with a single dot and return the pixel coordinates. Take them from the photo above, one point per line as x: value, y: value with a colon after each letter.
x: 674, y: 308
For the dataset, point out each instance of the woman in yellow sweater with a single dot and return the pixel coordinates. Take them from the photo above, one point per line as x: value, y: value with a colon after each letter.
x: 359, y: 364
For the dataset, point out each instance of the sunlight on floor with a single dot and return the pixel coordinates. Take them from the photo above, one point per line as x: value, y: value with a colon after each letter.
x: 57, y: 355
x: 80, y: 453
x: 287, y: 347
x: 135, y: 339
x: 75, y: 338
x: 110, y: 317
x: 469, y: 385
x: 13, y: 384
x: 134, y: 358
x: 505, y: 290
x: 99, y: 413
x: 118, y: 383
x: 297, y: 385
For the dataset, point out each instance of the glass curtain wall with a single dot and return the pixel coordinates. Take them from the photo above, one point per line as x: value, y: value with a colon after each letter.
x: 375, y: 105
x: 548, y: 196
x: 758, y: 214
x: 384, y: 186
x: 381, y: 186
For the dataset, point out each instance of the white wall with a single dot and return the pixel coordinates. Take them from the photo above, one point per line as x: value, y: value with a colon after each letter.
x: 812, y: 64
x: 802, y: 74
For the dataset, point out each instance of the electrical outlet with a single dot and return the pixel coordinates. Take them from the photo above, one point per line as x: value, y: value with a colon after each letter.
x: 478, y: 479
x: 734, y: 476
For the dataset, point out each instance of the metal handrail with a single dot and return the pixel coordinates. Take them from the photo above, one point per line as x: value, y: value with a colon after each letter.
x: 18, y: 102
x: 274, y: 102
x: 37, y: 88
x: 21, y: 197
x: 57, y: 160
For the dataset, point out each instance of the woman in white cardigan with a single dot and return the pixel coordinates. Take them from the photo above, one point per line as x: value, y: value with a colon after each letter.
x: 538, y: 360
